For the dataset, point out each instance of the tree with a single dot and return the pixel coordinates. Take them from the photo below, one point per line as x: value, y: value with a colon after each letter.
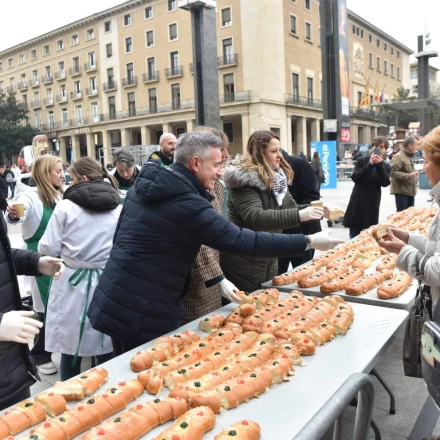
x: 15, y: 131
x: 402, y: 118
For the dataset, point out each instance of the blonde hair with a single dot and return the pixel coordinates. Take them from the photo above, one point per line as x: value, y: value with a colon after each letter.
x: 431, y: 144
x: 92, y: 169
x: 41, y: 170
x: 254, y: 158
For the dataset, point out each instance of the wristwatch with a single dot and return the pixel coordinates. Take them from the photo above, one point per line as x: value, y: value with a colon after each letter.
x: 309, y: 243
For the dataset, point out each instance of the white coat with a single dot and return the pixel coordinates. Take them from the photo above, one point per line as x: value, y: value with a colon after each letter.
x: 429, y: 246
x: 83, y: 239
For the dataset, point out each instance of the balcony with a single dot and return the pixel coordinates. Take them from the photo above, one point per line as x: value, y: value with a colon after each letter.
x: 88, y: 67
x: 22, y: 86
x: 228, y: 60
x: 368, y: 114
x: 76, y: 95
x: 34, y: 83
x: 62, y: 98
x: 47, y: 79
x: 60, y: 75
x: 131, y: 81
x: 110, y: 86
x: 174, y: 72
x: 92, y: 91
x: 303, y: 101
x: 75, y: 70
x: 35, y: 104
x: 150, y: 77
x: 11, y: 88
x: 235, y: 97
x: 50, y: 126
x: 47, y: 102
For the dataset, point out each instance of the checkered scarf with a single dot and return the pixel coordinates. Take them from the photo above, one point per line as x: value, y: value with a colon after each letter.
x: 279, y: 186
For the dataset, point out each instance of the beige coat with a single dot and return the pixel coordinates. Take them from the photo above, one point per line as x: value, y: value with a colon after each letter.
x: 401, y: 166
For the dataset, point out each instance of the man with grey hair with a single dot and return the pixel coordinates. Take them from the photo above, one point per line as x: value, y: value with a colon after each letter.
x: 125, y: 170
x: 404, y: 175
x: 165, y: 155
x: 166, y: 218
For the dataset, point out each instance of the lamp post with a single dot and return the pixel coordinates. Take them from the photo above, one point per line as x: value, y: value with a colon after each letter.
x: 205, y: 65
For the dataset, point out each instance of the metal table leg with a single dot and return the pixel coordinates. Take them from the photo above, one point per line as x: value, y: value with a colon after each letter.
x: 387, y: 389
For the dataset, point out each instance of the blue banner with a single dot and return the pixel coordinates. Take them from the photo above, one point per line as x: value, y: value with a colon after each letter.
x: 327, y: 156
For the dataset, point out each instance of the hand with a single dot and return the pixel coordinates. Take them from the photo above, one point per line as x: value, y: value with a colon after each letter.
x: 413, y: 175
x: 228, y: 289
x: 322, y: 241
x: 51, y: 266
x: 17, y: 326
x: 11, y: 212
x: 400, y: 234
x: 312, y: 213
x: 377, y: 159
x: 391, y: 243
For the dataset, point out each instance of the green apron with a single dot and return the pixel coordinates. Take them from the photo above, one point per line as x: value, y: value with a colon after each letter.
x: 43, y: 282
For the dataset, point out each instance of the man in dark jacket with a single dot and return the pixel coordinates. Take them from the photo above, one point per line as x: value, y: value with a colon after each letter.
x: 17, y: 372
x: 167, y: 145
x: 370, y: 174
x: 166, y: 218
x: 303, y: 190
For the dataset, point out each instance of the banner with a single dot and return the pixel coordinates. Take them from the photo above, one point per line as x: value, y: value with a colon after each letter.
x: 327, y: 155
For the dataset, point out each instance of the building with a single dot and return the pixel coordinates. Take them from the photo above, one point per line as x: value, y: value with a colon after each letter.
x: 434, y: 84
x: 124, y: 76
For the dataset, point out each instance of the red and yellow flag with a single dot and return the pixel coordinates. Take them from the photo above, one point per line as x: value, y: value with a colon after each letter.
x: 365, y: 101
x: 376, y: 94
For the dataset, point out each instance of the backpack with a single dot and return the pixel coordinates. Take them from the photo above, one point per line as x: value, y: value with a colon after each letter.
x: 9, y: 177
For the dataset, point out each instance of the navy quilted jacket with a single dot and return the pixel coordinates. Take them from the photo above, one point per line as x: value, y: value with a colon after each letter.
x: 166, y: 218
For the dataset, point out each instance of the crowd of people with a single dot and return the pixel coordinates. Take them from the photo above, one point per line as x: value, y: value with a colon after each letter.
x: 126, y: 255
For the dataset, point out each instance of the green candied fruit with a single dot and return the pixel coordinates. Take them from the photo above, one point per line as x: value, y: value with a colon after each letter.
x: 62, y: 419
x: 296, y: 307
x: 28, y: 404
x: 257, y: 316
x: 184, y: 425
x: 275, y: 363
x: 206, y: 319
x: 303, y: 319
x: 289, y: 314
x: 287, y: 347
x: 338, y: 316
x: 253, y: 375
x: 182, y: 371
x: 198, y: 364
x: 221, y: 334
x: 165, y: 364
x: 225, y: 368
x: 324, y: 325
x: 317, y: 308
x: 83, y: 377
x: 302, y: 331
x: 227, y: 388
x: 186, y: 356
x: 202, y: 345
x: 275, y: 320
x: 252, y: 355
x: 177, y: 336
x: 197, y: 384
x: 262, y: 342
x: 232, y: 433
x: 267, y: 310
x: 113, y: 390
x: 117, y: 420
x: 156, y: 400
x: 238, y: 342
x: 34, y: 437
x: 217, y: 353
x: 91, y: 401
x: 280, y: 305
x: 154, y: 349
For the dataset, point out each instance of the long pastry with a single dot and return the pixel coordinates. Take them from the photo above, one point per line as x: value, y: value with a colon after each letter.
x: 368, y: 282
x: 242, y: 430
x: 54, y: 404
x: 211, y: 323
x: 340, y: 282
x: 396, y: 286
x: 295, y: 275
x: 388, y: 262
x: 322, y: 276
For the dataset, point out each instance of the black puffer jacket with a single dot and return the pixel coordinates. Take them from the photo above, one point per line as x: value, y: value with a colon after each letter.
x: 97, y: 196
x: 166, y: 217
x: 16, y: 368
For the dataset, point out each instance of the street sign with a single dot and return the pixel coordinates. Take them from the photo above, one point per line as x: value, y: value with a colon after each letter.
x: 330, y: 125
x: 345, y: 135
x: 327, y: 155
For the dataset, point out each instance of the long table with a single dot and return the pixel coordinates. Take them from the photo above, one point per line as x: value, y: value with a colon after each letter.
x: 404, y: 301
x: 286, y: 408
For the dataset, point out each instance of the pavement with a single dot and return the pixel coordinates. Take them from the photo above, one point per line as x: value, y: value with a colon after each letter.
x: 410, y: 393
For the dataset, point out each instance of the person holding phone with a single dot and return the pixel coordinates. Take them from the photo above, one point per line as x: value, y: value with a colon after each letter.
x: 370, y: 174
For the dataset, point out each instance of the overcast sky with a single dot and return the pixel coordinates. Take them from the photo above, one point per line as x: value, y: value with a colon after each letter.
x: 402, y: 20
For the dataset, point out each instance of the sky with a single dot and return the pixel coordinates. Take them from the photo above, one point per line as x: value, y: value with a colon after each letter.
x: 403, y: 20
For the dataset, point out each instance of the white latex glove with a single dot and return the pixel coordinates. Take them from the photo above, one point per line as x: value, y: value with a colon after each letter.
x: 228, y: 289
x: 17, y: 326
x: 312, y: 213
x: 51, y: 266
x: 322, y: 241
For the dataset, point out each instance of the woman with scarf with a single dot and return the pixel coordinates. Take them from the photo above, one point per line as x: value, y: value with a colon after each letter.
x: 81, y: 233
x: 259, y: 200
x: 39, y: 203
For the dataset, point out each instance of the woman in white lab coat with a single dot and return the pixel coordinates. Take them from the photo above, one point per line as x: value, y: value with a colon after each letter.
x: 81, y: 233
x: 39, y: 203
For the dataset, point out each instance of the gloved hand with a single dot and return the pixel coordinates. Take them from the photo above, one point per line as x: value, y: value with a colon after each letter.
x: 228, y: 289
x: 51, y: 266
x: 322, y: 241
x: 17, y: 326
x: 312, y: 213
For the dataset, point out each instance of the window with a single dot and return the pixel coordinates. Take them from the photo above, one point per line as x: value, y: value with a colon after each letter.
x: 362, y: 33
x: 228, y: 128
x: 112, y: 107
x: 295, y: 86
x: 131, y: 104
x: 392, y: 50
x: 63, y: 93
x: 307, y: 4
x: 109, y: 50
x: 385, y: 47
x: 79, y: 114
x: 64, y: 117
x: 33, y: 54
x: 93, y: 84
x: 174, y: 61
x: 130, y: 72
x: 173, y: 31
x: 90, y: 34
x: 151, y: 66
x: 152, y: 100
x: 77, y: 88
x: 148, y: 12
x: 1, y: 65
x: 107, y: 26
x: 128, y: 45
x: 370, y: 60
x: 150, y: 38
x: 51, y: 120
x: 110, y: 75
x: 47, y: 73
x: 378, y: 64
x: 92, y: 59
x: 228, y: 54
x: 35, y: 76
x: 10, y: 62
x: 359, y: 97
x: 378, y: 42
x: 171, y: 5
x: 370, y: 38
x: 46, y: 49
x: 60, y: 44
x: 398, y: 54
x: 226, y: 17
x: 310, y: 91
x: 392, y: 70
x: 21, y: 58
x: 127, y: 20
x: 95, y: 111
x: 75, y: 61
x: 38, y: 120
x: 308, y: 31
x: 354, y: 29
x: 175, y: 96
x: 74, y: 39
x: 385, y: 67
x: 415, y: 88
x: 229, y: 87
x: 293, y: 28
x: 414, y: 74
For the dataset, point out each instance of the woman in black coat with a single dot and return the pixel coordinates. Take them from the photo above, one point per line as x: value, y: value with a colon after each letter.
x: 370, y: 174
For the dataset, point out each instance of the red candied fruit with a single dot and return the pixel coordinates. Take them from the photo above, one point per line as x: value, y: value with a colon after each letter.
x: 101, y: 432
x: 139, y: 406
x: 251, y: 322
x: 241, y: 381
x: 244, y: 422
x: 122, y: 384
x: 306, y: 341
x: 268, y: 326
x: 206, y: 360
x: 80, y: 408
x: 215, y: 373
x: 226, y: 348
x: 175, y: 437
x: 138, y: 352
x: 200, y: 413
x: 47, y: 425
x: 284, y: 356
x: 178, y: 398
x: 210, y: 339
x: 51, y: 394
x: 105, y: 396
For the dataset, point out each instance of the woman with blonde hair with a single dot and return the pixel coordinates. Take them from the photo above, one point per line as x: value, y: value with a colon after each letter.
x: 39, y: 203
x: 80, y: 232
x: 259, y: 199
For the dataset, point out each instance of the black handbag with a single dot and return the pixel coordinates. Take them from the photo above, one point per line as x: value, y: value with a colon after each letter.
x: 420, y: 312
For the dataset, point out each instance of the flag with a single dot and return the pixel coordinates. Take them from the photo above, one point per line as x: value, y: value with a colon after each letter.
x: 381, y: 95
x: 376, y: 99
x: 365, y: 101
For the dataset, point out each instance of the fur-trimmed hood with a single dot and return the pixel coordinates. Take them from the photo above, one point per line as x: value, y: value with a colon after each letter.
x: 239, y: 177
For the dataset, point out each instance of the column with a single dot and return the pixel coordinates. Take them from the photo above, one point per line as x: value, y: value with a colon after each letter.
x: 189, y: 126
x: 353, y: 133
x: 244, y: 131
x: 373, y: 132
x: 145, y: 135
x: 316, y: 130
x: 91, y: 145
x: 107, y: 147
x: 63, y: 148
x: 125, y: 137
x: 76, y: 151
x: 301, y: 130
x: 166, y: 128
x: 289, y: 135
